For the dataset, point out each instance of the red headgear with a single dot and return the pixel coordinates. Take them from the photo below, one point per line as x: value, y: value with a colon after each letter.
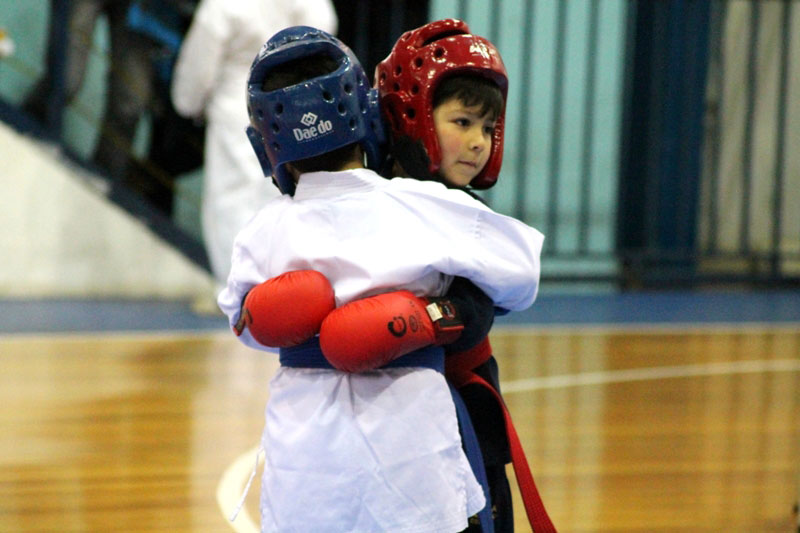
x: 419, y: 61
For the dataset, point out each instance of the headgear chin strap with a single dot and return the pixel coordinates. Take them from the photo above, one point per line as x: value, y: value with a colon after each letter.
x: 419, y: 61
x: 315, y: 116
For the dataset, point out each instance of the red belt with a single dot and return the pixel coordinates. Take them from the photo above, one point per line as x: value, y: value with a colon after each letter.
x: 459, y: 370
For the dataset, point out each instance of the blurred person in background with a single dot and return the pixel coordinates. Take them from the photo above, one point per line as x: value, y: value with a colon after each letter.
x: 208, y: 81
x: 144, y: 36
x: 129, y: 77
x: 175, y: 143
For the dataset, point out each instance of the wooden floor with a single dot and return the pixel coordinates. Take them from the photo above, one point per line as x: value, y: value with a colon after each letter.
x: 636, y: 431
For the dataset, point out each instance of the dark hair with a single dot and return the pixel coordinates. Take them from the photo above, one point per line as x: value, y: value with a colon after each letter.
x: 471, y: 90
x: 297, y: 71
x: 334, y: 160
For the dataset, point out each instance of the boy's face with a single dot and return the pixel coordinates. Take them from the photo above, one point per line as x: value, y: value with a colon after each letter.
x: 465, y: 139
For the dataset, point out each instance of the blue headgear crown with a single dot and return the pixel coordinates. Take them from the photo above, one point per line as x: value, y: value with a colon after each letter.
x: 315, y: 116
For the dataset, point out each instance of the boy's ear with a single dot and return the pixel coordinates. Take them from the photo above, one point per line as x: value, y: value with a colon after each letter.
x: 411, y: 155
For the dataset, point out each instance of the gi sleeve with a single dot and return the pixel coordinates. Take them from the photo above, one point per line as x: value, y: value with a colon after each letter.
x: 498, y: 253
x: 244, y: 275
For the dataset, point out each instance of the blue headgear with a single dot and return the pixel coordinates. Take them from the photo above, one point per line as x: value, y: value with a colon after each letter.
x: 315, y: 116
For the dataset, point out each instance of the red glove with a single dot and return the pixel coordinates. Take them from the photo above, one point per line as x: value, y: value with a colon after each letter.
x: 288, y: 309
x: 369, y: 333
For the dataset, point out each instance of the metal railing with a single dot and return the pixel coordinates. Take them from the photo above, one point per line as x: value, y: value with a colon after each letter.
x: 750, y: 207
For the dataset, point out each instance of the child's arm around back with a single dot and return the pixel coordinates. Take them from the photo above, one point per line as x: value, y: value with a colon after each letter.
x: 498, y: 253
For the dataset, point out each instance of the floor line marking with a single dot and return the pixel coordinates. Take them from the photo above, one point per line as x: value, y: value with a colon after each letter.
x: 230, y: 487
x: 651, y: 373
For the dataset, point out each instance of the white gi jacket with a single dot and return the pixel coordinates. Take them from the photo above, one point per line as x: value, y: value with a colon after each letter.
x: 378, y: 451
x: 210, y: 80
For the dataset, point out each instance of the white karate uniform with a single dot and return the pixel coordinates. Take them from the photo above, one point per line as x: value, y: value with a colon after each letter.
x: 210, y: 80
x: 378, y: 451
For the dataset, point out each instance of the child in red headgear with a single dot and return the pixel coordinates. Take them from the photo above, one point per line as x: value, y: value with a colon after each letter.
x: 437, y: 77
x: 443, y: 91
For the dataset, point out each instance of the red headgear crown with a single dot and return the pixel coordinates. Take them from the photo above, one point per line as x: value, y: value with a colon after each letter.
x: 408, y: 77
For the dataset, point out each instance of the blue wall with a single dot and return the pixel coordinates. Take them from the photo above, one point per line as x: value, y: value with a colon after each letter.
x: 549, y: 112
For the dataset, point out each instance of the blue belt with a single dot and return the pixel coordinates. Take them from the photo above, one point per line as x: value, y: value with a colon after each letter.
x: 309, y: 355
